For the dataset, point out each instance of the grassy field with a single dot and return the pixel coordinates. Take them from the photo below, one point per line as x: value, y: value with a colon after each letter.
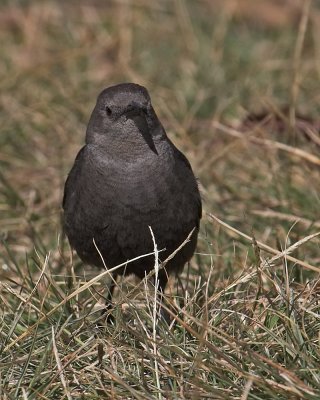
x: 236, y: 85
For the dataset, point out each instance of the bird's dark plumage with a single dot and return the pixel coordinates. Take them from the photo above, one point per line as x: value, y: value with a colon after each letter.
x: 127, y: 177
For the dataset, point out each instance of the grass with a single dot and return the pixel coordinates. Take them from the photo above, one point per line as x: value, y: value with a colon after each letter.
x: 238, y: 92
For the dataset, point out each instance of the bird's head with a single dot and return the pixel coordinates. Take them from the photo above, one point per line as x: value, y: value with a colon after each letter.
x: 123, y: 113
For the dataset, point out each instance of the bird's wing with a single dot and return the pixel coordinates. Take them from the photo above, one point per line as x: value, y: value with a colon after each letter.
x: 182, y: 158
x: 72, y: 175
x: 185, y: 161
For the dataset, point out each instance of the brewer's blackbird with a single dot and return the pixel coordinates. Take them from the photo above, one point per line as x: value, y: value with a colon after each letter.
x: 128, y: 177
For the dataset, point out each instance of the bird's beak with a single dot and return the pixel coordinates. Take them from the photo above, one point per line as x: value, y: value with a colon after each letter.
x: 139, y: 115
x: 135, y: 110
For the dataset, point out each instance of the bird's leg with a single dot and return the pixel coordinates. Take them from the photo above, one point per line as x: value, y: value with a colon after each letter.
x: 108, y: 303
x: 163, y: 280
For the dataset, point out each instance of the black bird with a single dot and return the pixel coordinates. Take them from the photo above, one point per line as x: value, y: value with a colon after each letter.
x: 128, y: 177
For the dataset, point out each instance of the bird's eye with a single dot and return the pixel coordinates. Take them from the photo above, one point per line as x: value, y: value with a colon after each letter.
x: 108, y: 110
